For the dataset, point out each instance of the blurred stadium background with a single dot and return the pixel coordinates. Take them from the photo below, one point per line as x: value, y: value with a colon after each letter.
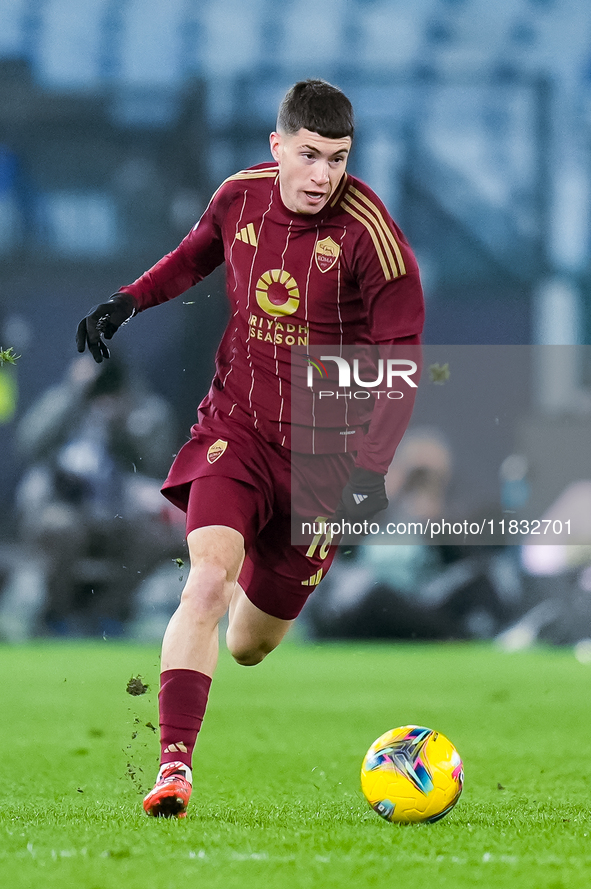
x: 119, y: 119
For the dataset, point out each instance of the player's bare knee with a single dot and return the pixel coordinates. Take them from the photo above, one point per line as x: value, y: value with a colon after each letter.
x: 207, y: 590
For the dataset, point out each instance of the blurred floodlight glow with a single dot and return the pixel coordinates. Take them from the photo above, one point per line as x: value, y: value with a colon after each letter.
x: 68, y: 37
x: 151, y: 42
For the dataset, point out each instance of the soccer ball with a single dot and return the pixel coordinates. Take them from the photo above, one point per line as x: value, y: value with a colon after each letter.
x: 412, y: 774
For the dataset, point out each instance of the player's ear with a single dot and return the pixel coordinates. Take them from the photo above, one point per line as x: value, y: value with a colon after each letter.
x: 275, y: 143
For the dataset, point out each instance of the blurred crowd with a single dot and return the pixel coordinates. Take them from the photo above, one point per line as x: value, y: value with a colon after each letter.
x: 91, y: 522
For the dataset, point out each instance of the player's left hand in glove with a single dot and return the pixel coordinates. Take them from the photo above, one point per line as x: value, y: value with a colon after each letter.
x: 104, y: 321
x: 363, y: 496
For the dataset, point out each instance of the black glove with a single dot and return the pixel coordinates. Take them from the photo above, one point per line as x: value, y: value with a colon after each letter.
x: 104, y: 321
x: 363, y: 496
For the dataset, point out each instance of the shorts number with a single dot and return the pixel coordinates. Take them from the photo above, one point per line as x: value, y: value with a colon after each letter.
x: 325, y: 545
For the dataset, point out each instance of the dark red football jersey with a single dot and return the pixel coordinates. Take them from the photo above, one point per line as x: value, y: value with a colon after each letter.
x: 343, y: 276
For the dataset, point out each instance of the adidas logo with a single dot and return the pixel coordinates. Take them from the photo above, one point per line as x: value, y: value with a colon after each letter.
x: 314, y: 580
x: 248, y: 235
x: 359, y: 498
x: 179, y: 747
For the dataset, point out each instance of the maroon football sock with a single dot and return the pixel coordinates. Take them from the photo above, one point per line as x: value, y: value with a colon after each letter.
x: 182, y: 699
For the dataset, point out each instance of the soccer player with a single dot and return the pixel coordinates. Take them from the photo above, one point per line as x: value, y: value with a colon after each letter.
x: 312, y: 257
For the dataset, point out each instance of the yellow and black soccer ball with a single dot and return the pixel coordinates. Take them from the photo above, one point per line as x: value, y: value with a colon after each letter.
x: 412, y: 774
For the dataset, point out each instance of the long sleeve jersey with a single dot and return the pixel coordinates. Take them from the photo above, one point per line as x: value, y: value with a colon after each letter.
x: 341, y: 277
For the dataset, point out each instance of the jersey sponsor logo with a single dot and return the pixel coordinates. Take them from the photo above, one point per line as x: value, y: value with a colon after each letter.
x: 277, y: 293
x: 216, y: 450
x: 248, y: 235
x: 326, y: 254
x: 271, y: 330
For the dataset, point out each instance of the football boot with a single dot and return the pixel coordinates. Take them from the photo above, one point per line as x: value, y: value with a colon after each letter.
x: 171, y: 793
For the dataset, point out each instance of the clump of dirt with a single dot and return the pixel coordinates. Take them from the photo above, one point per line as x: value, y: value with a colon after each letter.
x: 135, y: 778
x: 136, y: 686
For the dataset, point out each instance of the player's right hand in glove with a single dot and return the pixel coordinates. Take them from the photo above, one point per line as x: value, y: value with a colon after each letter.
x: 363, y: 496
x: 104, y: 321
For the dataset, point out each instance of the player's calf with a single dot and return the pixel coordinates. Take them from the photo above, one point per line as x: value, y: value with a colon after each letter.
x: 252, y: 634
x: 245, y: 652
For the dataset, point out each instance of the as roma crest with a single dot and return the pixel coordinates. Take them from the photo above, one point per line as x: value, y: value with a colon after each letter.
x: 216, y: 450
x: 327, y: 253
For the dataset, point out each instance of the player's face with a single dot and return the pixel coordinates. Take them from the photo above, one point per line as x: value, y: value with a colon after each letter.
x: 310, y: 168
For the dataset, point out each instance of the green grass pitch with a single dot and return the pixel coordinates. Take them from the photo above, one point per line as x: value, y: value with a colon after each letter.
x: 277, y: 801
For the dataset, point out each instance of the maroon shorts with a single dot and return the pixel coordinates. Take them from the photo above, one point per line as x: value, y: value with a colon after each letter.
x: 229, y: 475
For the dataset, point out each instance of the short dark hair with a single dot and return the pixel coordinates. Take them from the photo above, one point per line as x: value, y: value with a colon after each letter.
x: 317, y: 106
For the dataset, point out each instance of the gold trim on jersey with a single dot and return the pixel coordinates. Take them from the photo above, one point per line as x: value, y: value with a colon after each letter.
x: 386, y: 245
x: 248, y: 235
x: 339, y: 191
x: 265, y: 173
x: 384, y: 226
